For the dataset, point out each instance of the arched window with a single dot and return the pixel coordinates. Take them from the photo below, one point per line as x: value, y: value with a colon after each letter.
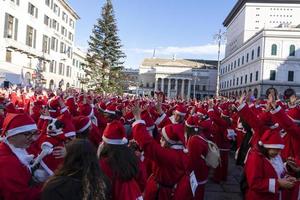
x: 292, y: 50
x: 258, y: 52
x: 252, y: 55
x: 274, y: 50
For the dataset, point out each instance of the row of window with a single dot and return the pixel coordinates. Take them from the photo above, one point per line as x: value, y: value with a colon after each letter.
x: 240, y: 61
x: 292, y: 50
x: 61, y: 69
x: 273, y: 75
x: 56, y: 9
x: 244, y: 79
x: 52, y: 23
x: 77, y: 64
x: 11, y: 31
x: 239, y: 81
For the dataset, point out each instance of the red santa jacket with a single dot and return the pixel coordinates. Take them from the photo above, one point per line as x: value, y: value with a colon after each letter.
x: 170, y: 165
x: 291, y: 137
x: 261, y: 177
x: 219, y: 130
x: 15, y: 177
x: 121, y: 190
x: 197, y: 147
x: 251, y: 119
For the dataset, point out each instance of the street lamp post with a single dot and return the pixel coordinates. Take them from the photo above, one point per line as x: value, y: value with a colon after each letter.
x: 219, y: 37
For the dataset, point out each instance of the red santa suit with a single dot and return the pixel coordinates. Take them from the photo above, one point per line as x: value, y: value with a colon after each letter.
x: 15, y: 169
x: 114, y: 134
x: 162, y: 183
x: 197, y: 168
x: 219, y: 131
x: 262, y: 173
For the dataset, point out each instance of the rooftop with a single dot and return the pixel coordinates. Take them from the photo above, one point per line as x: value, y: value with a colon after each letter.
x: 240, y: 3
x: 194, y: 63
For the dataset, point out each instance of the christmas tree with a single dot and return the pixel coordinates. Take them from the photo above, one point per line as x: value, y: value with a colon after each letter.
x: 104, y: 57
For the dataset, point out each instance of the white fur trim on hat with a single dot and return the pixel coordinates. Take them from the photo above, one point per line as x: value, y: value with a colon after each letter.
x: 70, y: 134
x: 189, y: 125
x: 164, y: 134
x: 20, y: 129
x: 110, y: 112
x: 180, y: 113
x: 85, y: 127
x: 63, y: 109
x: 273, y: 146
x: 115, y: 141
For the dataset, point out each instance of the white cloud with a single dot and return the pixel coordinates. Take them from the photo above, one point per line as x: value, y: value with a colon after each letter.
x: 201, y: 50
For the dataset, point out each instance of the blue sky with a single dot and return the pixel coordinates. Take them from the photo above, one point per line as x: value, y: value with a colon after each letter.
x: 184, y: 28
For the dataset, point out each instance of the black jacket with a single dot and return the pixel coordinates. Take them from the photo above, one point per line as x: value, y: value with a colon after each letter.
x: 62, y: 188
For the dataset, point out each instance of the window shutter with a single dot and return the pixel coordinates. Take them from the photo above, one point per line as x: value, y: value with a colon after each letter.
x: 36, y: 13
x: 16, y: 29
x: 5, y: 25
x: 34, y: 39
x: 49, y: 42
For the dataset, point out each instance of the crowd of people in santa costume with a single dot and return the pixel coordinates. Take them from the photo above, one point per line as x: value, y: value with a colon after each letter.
x: 70, y: 145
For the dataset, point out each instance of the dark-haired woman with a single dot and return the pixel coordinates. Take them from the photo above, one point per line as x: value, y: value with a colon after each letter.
x: 79, y: 177
x: 264, y: 169
x: 119, y: 163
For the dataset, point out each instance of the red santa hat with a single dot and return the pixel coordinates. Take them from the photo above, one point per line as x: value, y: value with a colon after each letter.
x: 17, y: 123
x: 180, y: 110
x: 10, y: 108
x: 294, y: 114
x: 170, y: 135
x: 102, y: 106
x: 86, y: 110
x: 53, y: 104
x: 70, y: 102
x: 192, y: 122
x: 148, y: 120
x: 225, y: 113
x: 69, y: 128
x: 129, y: 117
x: 81, y: 123
x: 111, y: 109
x: 114, y: 133
x: 271, y: 139
x: 201, y: 111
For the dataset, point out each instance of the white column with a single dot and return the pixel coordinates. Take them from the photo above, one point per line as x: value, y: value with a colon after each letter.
x: 156, y: 84
x: 176, y: 86
x: 169, y: 88
x: 189, y: 90
x: 182, y: 89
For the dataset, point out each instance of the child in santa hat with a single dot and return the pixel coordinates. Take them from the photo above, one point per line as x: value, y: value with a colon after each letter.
x: 264, y: 170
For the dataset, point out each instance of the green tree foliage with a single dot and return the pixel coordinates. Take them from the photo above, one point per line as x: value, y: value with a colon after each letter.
x: 104, y: 57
